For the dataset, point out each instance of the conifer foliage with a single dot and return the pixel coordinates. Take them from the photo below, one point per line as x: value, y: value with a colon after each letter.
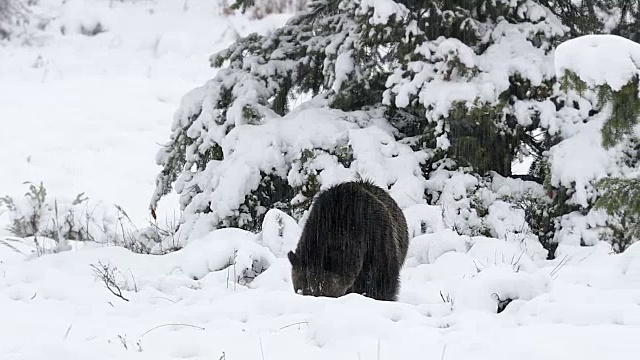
x: 595, y: 166
x: 325, y: 52
x: 405, y: 92
x: 13, y: 14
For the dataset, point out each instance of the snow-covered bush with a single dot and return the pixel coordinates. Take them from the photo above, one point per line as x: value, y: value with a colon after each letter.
x: 61, y: 219
x: 424, y: 219
x: 238, y: 149
x: 280, y: 232
x: 281, y: 163
x: 432, y: 100
x: 494, y: 206
x: 599, y: 148
x: 476, y: 85
x: 234, y: 254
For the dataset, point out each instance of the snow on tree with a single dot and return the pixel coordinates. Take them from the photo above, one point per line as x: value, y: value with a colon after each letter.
x: 628, y: 20
x: 621, y: 199
x: 433, y: 100
x: 476, y: 87
x: 477, y: 80
x: 600, y: 139
x: 237, y: 149
x: 13, y: 14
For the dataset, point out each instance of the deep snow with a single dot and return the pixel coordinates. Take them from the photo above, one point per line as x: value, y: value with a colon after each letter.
x: 86, y: 113
x: 187, y: 305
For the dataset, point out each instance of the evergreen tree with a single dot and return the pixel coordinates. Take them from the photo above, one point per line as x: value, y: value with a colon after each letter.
x: 475, y: 79
x: 621, y: 199
x: 628, y: 25
x: 601, y: 116
x: 327, y: 52
x: 13, y: 14
x: 465, y: 86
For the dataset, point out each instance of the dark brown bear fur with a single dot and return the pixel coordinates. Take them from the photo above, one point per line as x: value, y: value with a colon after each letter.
x: 354, y: 241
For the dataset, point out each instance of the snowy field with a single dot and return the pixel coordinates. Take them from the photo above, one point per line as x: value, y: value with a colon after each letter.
x: 87, y: 114
x: 179, y: 307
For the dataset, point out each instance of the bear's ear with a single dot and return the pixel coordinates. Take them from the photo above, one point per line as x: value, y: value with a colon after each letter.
x: 292, y: 258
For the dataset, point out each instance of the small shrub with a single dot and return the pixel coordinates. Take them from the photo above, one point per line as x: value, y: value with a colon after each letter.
x: 26, y: 219
x: 37, y: 216
x: 108, y: 276
x: 151, y: 239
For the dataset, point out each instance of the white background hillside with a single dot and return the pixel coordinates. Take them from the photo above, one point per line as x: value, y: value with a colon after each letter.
x: 87, y: 114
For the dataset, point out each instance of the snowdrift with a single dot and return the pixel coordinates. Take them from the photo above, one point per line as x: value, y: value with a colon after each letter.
x: 229, y: 294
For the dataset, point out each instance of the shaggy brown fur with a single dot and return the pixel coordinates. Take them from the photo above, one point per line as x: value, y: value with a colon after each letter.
x: 355, y: 240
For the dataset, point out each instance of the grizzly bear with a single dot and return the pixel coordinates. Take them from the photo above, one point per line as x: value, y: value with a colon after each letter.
x: 355, y: 240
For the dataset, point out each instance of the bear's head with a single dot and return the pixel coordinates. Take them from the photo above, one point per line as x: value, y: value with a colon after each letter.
x: 315, y: 281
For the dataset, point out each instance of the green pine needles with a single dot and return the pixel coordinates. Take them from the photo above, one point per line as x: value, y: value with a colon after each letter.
x: 625, y: 111
x: 441, y: 87
x: 620, y: 198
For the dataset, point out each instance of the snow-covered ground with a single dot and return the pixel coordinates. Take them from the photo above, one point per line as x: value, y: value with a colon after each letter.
x: 187, y: 305
x: 87, y: 113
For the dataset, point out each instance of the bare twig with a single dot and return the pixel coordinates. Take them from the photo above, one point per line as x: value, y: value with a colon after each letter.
x: 108, y: 276
x: 13, y: 248
x: 561, y: 264
x: 135, y: 284
x: 447, y: 299
x: 66, y: 334
x: 478, y: 268
x: 261, y: 348
x: 123, y: 340
x: 165, y: 298
x: 515, y: 264
x: 159, y: 326
x: 294, y: 324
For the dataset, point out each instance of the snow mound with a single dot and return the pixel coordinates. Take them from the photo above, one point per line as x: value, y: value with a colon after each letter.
x: 493, y: 285
x: 503, y: 219
x: 519, y: 254
x: 423, y: 219
x: 425, y: 249
x: 192, y: 304
x: 599, y: 59
x: 220, y: 250
x: 582, y: 306
x: 630, y: 263
x: 280, y: 232
x: 293, y: 148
